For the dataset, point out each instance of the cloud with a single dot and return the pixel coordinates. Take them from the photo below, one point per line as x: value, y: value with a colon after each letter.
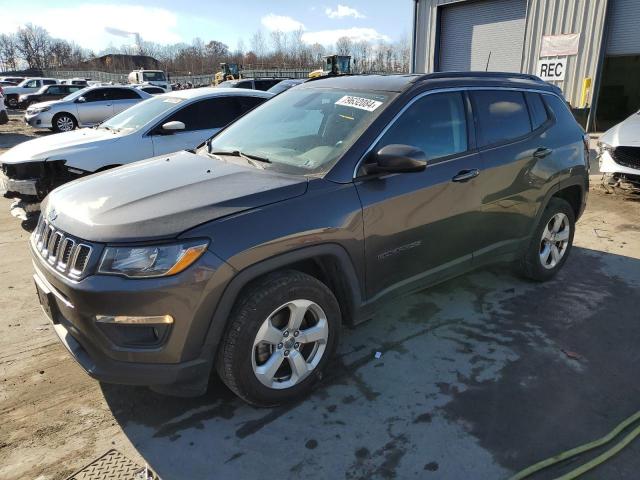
x: 89, y: 22
x: 343, y: 11
x: 357, y: 34
x: 281, y: 23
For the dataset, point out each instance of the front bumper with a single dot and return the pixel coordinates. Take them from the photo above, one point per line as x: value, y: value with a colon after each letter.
x: 39, y: 120
x: 183, y: 359
x: 19, y: 188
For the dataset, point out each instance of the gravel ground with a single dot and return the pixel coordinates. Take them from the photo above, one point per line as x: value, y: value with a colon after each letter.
x: 479, y: 377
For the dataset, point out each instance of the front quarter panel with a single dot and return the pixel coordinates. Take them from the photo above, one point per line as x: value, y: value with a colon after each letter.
x: 327, y: 213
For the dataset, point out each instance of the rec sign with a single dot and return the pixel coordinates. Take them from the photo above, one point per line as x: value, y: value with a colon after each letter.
x: 552, y: 69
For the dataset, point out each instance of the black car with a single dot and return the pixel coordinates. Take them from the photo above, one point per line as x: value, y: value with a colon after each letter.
x: 249, y: 254
x: 46, y: 93
x: 263, y: 84
x: 286, y: 85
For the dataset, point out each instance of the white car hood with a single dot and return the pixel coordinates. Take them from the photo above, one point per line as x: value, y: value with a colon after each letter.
x: 58, y: 146
x: 626, y: 133
x: 42, y: 104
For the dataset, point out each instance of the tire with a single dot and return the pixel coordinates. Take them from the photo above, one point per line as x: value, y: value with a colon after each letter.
x: 12, y: 101
x: 64, y: 122
x: 270, y: 302
x: 551, y: 242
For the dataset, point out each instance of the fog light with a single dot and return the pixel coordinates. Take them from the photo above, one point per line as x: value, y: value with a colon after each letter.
x: 129, y: 320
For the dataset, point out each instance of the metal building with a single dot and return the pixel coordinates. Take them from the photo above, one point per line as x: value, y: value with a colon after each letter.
x: 589, y: 48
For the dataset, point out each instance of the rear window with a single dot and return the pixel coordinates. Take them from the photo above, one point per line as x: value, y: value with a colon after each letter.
x: 560, y: 109
x: 502, y: 116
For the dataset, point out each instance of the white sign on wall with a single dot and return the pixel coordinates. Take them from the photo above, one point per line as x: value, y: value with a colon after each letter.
x: 560, y: 45
x: 551, y: 70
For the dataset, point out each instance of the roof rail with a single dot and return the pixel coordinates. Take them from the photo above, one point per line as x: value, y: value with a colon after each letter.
x: 524, y: 76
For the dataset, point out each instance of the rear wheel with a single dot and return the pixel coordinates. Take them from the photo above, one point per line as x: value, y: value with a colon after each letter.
x: 551, y: 242
x: 281, y: 334
x: 64, y: 122
x: 12, y: 101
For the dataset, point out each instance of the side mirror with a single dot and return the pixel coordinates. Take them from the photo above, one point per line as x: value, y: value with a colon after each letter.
x: 171, y: 127
x: 81, y: 100
x: 396, y: 158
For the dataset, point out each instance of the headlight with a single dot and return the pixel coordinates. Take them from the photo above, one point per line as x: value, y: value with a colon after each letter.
x: 39, y: 109
x: 151, y: 261
x: 603, y: 147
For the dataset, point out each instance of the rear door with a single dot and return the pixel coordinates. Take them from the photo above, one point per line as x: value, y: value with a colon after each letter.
x: 512, y: 145
x: 123, y: 98
x: 96, y: 108
x: 201, y: 118
x: 420, y: 227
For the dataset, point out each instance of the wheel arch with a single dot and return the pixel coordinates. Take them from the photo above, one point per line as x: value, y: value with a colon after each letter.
x: 329, y: 263
x: 573, y: 190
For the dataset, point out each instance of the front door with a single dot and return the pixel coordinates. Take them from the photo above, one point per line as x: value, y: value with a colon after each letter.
x: 420, y: 227
x: 96, y: 108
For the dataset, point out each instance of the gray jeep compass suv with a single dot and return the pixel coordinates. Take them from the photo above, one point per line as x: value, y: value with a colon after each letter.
x: 248, y: 254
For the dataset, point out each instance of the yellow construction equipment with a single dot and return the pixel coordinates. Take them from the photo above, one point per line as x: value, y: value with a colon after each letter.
x: 228, y: 71
x: 333, y: 65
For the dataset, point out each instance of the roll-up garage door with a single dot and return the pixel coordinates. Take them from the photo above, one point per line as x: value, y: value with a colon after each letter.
x: 623, y: 27
x: 473, y: 33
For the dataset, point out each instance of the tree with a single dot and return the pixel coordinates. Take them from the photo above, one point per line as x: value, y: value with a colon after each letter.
x: 344, y: 46
x: 8, y: 52
x: 33, y: 43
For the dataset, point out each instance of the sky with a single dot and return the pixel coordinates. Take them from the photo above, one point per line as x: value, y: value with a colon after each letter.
x: 228, y: 21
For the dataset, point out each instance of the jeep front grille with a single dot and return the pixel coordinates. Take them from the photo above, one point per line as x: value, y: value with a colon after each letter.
x: 67, y: 255
x: 627, y: 156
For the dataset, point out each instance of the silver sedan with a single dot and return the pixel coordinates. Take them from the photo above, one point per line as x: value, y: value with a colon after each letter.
x: 84, y: 108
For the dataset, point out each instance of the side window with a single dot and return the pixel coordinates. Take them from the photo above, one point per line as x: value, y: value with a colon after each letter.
x: 536, y: 109
x: 97, y: 95
x: 122, y: 94
x: 49, y: 82
x: 436, y: 124
x: 265, y: 84
x: 32, y: 84
x: 502, y: 116
x: 55, y: 90
x: 249, y: 103
x: 74, y: 88
x: 245, y: 84
x: 207, y: 114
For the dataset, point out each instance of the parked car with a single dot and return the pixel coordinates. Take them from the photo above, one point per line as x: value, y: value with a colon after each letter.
x: 7, y: 84
x: 619, y: 155
x: 82, y: 82
x: 252, y: 83
x: 47, y: 93
x: 85, y: 108
x: 28, y: 85
x: 248, y: 254
x: 4, y: 117
x: 14, y: 80
x: 286, y: 85
x: 157, y: 126
x: 151, y: 89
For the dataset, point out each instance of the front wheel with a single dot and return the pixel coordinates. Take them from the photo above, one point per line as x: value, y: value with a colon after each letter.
x: 551, y: 242
x: 281, y: 334
x: 64, y: 122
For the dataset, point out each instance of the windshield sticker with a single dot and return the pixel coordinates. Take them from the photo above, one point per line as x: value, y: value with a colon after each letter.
x: 359, y: 102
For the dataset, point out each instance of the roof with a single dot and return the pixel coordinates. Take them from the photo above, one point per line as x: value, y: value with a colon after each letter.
x: 400, y: 83
x: 213, y: 91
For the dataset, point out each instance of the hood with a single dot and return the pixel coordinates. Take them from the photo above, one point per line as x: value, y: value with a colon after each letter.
x: 162, y: 197
x: 59, y: 146
x: 42, y: 104
x: 626, y: 133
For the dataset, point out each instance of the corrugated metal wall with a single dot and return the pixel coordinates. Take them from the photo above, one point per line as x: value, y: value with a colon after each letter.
x: 544, y: 17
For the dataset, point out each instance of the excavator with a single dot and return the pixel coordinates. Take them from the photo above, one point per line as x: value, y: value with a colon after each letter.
x: 228, y: 71
x: 333, y: 65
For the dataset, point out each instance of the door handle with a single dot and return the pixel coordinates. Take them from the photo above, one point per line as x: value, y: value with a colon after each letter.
x: 542, y: 152
x: 466, y: 175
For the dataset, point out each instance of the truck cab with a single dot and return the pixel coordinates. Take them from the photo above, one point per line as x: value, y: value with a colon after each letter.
x: 150, y: 77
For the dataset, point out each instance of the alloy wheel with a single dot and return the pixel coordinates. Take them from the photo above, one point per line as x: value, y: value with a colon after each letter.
x: 555, y: 240
x: 64, y: 123
x: 289, y: 344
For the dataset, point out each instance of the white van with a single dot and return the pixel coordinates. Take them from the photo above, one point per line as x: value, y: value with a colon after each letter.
x: 150, y: 77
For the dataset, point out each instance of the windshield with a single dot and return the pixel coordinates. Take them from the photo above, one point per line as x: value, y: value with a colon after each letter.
x: 141, y: 113
x: 153, y: 76
x: 304, y: 131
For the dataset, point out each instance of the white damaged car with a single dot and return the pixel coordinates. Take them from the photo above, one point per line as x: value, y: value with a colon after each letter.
x: 159, y: 125
x: 619, y: 155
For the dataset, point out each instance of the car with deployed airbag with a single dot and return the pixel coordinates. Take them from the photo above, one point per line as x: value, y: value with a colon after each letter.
x: 247, y: 255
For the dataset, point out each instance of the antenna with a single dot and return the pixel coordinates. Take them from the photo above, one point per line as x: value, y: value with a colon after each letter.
x: 486, y: 69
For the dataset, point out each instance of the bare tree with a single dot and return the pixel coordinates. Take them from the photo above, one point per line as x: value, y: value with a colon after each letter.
x: 8, y: 52
x: 33, y: 43
x: 344, y: 46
